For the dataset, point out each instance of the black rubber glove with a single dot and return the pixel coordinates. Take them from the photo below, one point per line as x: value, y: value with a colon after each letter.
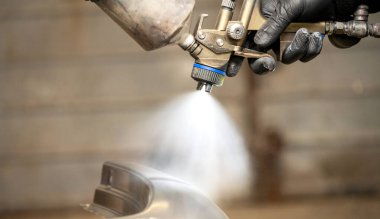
x: 281, y: 13
x: 305, y: 45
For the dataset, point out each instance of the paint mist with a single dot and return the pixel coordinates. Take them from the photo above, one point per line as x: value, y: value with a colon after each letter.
x: 194, y: 139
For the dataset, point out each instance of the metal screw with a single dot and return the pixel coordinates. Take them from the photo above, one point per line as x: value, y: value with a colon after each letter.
x: 201, y: 35
x: 219, y: 42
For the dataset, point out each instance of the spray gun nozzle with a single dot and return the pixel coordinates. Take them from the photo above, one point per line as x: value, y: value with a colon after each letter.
x: 207, y: 77
x: 201, y: 85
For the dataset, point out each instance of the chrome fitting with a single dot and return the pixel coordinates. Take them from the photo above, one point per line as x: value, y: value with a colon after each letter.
x: 374, y: 30
x: 187, y: 42
x: 361, y: 13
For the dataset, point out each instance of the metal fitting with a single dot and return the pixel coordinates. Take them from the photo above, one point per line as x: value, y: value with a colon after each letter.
x: 201, y: 35
x: 361, y: 13
x: 207, y: 76
x: 235, y: 30
x: 207, y: 87
x: 187, y: 42
x: 374, y: 30
x: 229, y: 4
x: 358, y: 28
x: 220, y: 42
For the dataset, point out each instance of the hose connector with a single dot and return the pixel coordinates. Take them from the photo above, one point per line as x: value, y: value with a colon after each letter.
x: 374, y: 30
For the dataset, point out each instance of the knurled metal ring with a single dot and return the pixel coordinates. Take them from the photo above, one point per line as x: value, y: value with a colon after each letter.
x: 208, y: 76
x: 229, y: 4
x: 235, y: 31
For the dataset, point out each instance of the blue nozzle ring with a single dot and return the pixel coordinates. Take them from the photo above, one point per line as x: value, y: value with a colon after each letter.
x: 215, y: 70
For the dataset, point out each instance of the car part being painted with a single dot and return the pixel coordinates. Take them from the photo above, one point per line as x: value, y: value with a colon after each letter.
x: 136, y: 192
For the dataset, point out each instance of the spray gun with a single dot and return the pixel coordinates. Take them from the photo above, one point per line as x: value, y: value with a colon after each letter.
x: 154, y: 24
x: 214, y: 48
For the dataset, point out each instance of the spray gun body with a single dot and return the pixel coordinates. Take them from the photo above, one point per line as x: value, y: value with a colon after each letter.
x: 154, y: 24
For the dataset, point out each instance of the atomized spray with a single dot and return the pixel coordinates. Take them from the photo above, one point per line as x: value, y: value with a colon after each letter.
x: 194, y: 139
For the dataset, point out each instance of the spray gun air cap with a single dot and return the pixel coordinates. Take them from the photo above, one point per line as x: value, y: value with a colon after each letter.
x: 207, y: 87
x: 207, y: 76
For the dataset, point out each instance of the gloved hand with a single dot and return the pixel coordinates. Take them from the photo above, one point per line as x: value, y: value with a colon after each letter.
x: 305, y: 45
x: 281, y: 13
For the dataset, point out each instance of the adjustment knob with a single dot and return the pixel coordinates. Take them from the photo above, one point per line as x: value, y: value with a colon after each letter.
x: 235, y: 31
x: 229, y: 4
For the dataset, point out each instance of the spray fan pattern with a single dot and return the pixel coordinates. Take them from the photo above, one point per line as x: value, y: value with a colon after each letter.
x: 194, y: 139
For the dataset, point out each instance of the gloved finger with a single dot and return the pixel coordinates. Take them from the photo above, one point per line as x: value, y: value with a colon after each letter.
x: 262, y: 65
x: 274, y: 26
x: 297, y: 48
x: 268, y: 7
x: 234, y: 65
x: 315, y: 47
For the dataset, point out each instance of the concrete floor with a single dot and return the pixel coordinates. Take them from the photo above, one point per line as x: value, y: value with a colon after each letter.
x: 337, y: 208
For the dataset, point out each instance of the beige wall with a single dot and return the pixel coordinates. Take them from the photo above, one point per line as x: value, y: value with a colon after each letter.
x: 73, y: 85
x: 327, y: 112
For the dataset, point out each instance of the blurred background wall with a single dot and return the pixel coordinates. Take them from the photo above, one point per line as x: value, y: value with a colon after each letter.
x: 73, y: 85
